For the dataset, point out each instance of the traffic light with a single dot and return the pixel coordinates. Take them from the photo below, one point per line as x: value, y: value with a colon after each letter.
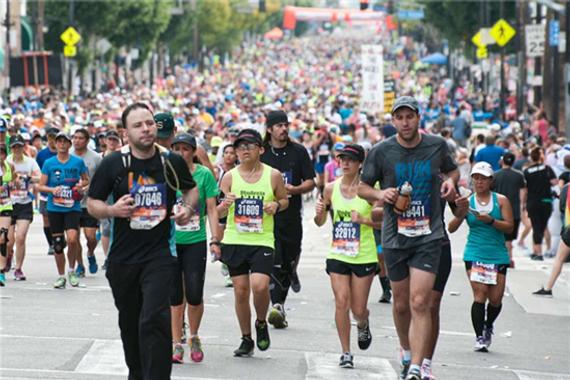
x: 364, y: 4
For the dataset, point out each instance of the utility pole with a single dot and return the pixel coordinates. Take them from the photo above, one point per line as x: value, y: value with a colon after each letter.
x: 567, y: 72
x: 522, y: 8
x: 556, y: 83
x: 538, y: 62
x: 503, y: 87
x: 8, y: 46
x: 69, y: 60
x: 40, y: 25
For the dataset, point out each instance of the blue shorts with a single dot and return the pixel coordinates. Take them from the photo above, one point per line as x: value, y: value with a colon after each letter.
x: 319, y: 167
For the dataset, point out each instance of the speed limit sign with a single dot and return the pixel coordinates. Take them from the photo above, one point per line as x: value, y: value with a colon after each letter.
x: 535, y: 38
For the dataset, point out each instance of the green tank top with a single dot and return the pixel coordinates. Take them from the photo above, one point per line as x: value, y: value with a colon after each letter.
x: 247, y: 223
x: 5, y: 201
x: 352, y: 243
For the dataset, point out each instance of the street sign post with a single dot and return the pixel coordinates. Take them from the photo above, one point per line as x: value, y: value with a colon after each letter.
x: 502, y: 32
x: 70, y: 36
x: 69, y: 51
x: 535, y: 39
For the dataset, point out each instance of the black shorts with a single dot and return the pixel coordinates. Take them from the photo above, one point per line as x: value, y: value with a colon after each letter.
x: 43, y: 207
x: 359, y: 270
x: 6, y: 213
x: 87, y: 221
x: 444, y: 268
x: 565, y: 236
x: 190, y: 274
x: 513, y: 235
x: 60, y: 222
x: 424, y: 257
x: 22, y: 212
x: 502, y: 267
x: 243, y: 259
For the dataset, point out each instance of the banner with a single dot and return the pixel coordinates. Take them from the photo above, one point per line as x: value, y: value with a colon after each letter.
x: 389, y: 95
x: 372, y: 95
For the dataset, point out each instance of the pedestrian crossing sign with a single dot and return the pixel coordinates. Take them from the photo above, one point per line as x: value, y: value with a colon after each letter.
x: 482, y: 52
x: 69, y: 51
x: 502, y: 32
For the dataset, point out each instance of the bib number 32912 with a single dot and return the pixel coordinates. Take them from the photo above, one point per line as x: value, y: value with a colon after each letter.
x: 346, y: 238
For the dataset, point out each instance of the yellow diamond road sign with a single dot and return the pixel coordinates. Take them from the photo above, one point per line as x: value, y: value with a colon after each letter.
x: 482, y: 52
x: 69, y: 51
x: 70, y: 37
x: 476, y: 39
x: 502, y: 32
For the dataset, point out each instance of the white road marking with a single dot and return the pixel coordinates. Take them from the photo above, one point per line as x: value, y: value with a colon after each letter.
x: 325, y: 366
x: 104, y: 357
x: 530, y: 375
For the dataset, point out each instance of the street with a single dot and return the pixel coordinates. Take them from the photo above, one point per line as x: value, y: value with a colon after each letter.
x: 73, y: 333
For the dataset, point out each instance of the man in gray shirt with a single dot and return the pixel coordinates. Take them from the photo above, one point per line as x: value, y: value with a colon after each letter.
x: 88, y: 223
x: 411, y: 239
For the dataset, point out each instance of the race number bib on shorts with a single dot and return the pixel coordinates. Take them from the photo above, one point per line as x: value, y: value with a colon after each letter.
x: 150, y: 203
x: 248, y: 215
x: 4, y: 195
x: 346, y: 239
x: 64, y: 198
x: 415, y: 221
x: 484, y: 273
x: 193, y: 225
x: 19, y: 189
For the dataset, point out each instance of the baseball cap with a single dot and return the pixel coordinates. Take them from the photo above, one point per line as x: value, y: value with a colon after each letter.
x: 354, y: 151
x: 216, y: 142
x: 63, y: 135
x: 249, y: 135
x: 52, y: 131
x: 16, y: 140
x: 508, y: 158
x: 276, y: 117
x: 112, y: 134
x: 483, y: 168
x: 165, y: 124
x: 185, y: 138
x: 406, y: 101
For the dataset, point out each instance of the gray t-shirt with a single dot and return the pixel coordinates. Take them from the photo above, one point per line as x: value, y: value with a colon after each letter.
x: 391, y: 165
x: 509, y: 182
x: 92, y: 160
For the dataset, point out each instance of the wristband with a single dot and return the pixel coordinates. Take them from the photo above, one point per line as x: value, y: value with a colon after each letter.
x: 215, y: 242
x: 278, y: 207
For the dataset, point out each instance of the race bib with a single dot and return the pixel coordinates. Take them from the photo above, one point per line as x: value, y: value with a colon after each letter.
x: 415, y: 221
x: 346, y: 239
x: 19, y: 189
x: 248, y: 215
x: 484, y: 273
x: 65, y: 198
x: 150, y: 203
x: 288, y: 179
x: 193, y: 225
x: 4, y: 195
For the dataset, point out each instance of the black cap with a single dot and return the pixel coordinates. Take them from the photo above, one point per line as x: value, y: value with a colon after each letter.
x: 52, y: 131
x: 508, y: 159
x: 112, y: 134
x: 16, y: 140
x: 63, y: 135
x: 185, y: 138
x: 249, y: 135
x: 406, y: 101
x: 354, y: 151
x: 276, y: 117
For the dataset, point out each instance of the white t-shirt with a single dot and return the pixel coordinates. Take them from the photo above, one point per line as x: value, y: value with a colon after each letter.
x: 21, y: 190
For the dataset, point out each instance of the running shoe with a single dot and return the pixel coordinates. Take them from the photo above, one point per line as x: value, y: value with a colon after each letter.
x: 543, y: 292
x: 245, y: 348
x: 2, y: 279
x: 488, y: 335
x: 426, y: 373
x: 80, y: 271
x: 50, y: 251
x: 92, y: 264
x: 183, y: 337
x: 73, y: 279
x: 19, y: 275
x: 262, y: 335
x: 228, y: 282
x: 404, y: 365
x: 224, y: 270
x: 536, y: 257
x: 8, y: 266
x: 364, y: 336
x: 178, y: 354
x: 104, y: 267
x: 295, y: 283
x: 346, y: 360
x: 480, y: 344
x: 414, y: 375
x: 196, y: 353
x: 277, y: 317
x: 59, y: 283
x: 386, y: 296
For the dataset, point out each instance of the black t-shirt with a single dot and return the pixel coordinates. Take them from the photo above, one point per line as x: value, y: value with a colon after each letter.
x: 538, y: 179
x: 295, y: 165
x: 509, y: 182
x: 111, y: 179
x: 565, y: 177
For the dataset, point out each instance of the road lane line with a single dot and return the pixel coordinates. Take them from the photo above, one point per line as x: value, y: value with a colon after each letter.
x: 325, y: 366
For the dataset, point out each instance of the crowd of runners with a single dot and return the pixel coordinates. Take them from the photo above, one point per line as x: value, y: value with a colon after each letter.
x: 226, y: 161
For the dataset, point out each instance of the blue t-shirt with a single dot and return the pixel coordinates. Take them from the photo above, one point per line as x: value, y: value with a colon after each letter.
x: 66, y: 175
x: 44, y: 155
x: 492, y: 155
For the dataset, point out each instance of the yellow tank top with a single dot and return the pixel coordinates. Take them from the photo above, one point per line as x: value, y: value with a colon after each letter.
x: 5, y: 201
x: 352, y: 243
x: 247, y: 223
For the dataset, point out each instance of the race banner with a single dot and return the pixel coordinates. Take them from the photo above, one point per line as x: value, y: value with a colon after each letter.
x: 372, y: 95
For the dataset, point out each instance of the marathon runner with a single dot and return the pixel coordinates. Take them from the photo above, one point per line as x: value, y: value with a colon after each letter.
x: 408, y: 167
x: 6, y: 177
x: 192, y: 252
x: 89, y: 224
x: 292, y: 160
x: 44, y: 154
x: 143, y: 180
x: 489, y: 216
x: 64, y: 178
x: 352, y: 262
x: 254, y: 194
x: 27, y: 175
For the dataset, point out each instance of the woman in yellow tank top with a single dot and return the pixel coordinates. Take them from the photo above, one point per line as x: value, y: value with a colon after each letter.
x: 6, y: 172
x: 352, y: 262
